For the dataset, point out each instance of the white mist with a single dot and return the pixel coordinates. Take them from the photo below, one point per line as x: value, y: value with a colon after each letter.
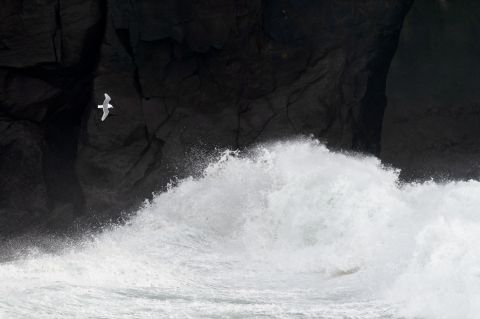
x: 290, y: 231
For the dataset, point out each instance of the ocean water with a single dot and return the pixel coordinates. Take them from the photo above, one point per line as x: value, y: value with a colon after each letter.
x: 288, y: 230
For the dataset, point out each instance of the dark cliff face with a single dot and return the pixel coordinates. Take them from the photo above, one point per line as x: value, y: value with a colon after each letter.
x: 185, y: 77
x: 48, y: 53
x: 432, y: 121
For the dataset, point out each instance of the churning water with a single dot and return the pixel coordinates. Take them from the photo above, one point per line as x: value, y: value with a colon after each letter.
x: 290, y: 230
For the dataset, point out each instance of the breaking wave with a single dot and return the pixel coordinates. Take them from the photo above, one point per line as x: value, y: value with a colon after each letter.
x: 288, y: 230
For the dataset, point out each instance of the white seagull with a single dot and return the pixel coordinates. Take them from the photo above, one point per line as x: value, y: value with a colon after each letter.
x: 105, y: 106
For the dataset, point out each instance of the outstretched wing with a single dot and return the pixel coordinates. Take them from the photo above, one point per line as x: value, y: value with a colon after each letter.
x: 105, y: 114
x: 107, y: 98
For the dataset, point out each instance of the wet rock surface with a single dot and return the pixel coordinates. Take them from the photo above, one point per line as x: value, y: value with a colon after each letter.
x: 185, y: 78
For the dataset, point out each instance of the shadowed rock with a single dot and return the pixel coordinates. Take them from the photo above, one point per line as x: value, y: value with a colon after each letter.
x: 187, y: 77
x: 432, y: 122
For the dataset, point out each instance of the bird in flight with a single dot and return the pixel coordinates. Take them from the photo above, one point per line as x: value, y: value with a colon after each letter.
x: 105, y: 106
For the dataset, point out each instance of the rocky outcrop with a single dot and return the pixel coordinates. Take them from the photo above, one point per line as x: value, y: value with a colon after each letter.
x: 432, y: 122
x: 48, y: 52
x: 185, y: 77
x: 191, y: 76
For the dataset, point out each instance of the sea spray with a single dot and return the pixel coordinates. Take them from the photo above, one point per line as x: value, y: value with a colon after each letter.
x: 287, y: 230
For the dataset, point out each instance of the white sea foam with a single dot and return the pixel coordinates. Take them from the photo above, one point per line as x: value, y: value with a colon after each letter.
x: 290, y: 230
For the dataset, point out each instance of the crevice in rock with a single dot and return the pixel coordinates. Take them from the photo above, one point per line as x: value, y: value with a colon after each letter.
x: 62, y: 127
x: 57, y: 38
x: 124, y: 37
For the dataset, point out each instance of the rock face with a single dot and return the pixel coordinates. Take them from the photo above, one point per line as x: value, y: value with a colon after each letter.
x: 185, y: 77
x: 432, y: 121
x: 48, y: 52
